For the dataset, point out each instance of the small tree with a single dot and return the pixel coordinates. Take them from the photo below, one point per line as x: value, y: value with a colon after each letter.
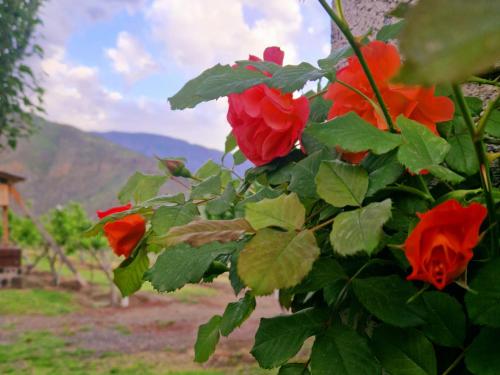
x: 20, y: 93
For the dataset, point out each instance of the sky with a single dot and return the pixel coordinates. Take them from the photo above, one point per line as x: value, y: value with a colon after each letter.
x: 112, y: 64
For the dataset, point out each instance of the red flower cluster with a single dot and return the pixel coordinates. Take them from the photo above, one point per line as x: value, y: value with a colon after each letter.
x: 267, y: 122
x: 414, y: 102
x: 440, y: 246
x: 123, y: 234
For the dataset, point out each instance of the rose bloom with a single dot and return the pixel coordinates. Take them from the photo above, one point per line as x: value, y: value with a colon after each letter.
x: 267, y: 122
x: 414, y: 102
x: 440, y: 246
x: 123, y: 234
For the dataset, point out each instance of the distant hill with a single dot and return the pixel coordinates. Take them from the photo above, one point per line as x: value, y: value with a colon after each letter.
x: 62, y: 163
x: 157, y: 145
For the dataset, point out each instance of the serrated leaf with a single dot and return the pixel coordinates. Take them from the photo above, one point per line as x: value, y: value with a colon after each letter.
x: 361, y: 229
x: 444, y: 319
x: 167, y: 217
x: 128, y: 276
x: 303, y: 174
x: 280, y: 338
x: 421, y: 149
x: 330, y: 62
x: 436, y: 53
x: 184, y: 264
x: 264, y: 193
x: 341, y: 351
x: 354, y: 134
x: 275, y: 260
x: 209, y: 169
x: 404, y: 351
x: 188, y: 96
x: 483, y: 306
x: 230, y: 143
x: 325, y: 271
x: 220, y: 205
x: 164, y: 199
x: 386, y: 297
x: 294, y: 369
x: 285, y: 212
x: 382, y: 170
x: 482, y: 356
x: 236, y: 313
x: 462, y: 156
x: 391, y: 31
x: 207, y: 188
x: 202, y: 231
x: 341, y: 184
x: 445, y: 174
x: 293, y: 77
x: 141, y: 187
x: 207, y: 339
x: 263, y: 66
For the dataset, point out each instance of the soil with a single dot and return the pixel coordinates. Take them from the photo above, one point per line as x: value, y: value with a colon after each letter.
x: 151, y: 323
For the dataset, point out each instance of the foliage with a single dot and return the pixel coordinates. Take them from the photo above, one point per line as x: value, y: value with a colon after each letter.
x: 36, y: 301
x: 331, y: 235
x: 20, y: 94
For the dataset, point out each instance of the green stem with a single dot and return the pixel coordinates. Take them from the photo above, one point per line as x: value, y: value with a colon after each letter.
x: 483, y: 81
x: 319, y: 93
x: 411, y: 190
x: 360, y: 93
x: 340, y: 10
x: 454, y: 363
x: 344, y: 28
x: 324, y: 224
x: 484, y: 170
x: 424, y: 186
x: 481, y: 125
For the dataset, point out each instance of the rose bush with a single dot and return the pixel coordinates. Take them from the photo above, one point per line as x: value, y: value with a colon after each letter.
x: 391, y: 270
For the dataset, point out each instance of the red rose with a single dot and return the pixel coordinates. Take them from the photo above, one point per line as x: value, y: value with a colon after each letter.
x: 123, y: 234
x: 414, y: 102
x: 440, y: 246
x: 267, y: 122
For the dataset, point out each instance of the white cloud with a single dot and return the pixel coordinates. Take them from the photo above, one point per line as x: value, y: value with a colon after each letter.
x: 206, y: 32
x: 130, y: 59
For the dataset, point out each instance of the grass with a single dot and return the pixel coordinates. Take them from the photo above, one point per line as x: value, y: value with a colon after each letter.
x: 36, y: 301
x: 43, y: 353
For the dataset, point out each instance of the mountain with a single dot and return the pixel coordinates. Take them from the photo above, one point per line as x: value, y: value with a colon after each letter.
x: 62, y: 163
x: 157, y: 145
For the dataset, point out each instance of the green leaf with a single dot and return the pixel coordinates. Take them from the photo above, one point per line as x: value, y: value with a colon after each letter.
x: 230, y: 143
x: 483, y: 306
x: 341, y: 351
x: 164, y: 199
x: 436, y: 53
x: 382, y: 170
x: 391, y: 31
x: 207, y: 339
x: 276, y: 260
x: 462, y: 156
x: 303, y: 173
x: 232, y: 80
x: 341, y: 184
x: 200, y: 232
x: 128, y: 276
x: 354, y: 134
x: 285, y: 212
x: 404, y: 351
x: 293, y: 77
x: 166, y: 217
x: 188, y: 96
x: 239, y: 158
x: 482, y: 356
x: 330, y: 62
x: 280, y: 338
x: 220, y: 205
x: 493, y: 124
x: 209, y: 169
x: 236, y: 313
x: 445, y: 174
x: 386, y: 297
x: 207, y: 188
x: 445, y: 319
x: 325, y: 271
x: 264, y: 193
x: 360, y: 229
x: 421, y: 148
x: 141, y: 187
x: 184, y: 264
x: 294, y: 369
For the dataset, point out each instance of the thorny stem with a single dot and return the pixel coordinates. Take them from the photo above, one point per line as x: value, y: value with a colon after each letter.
x: 344, y: 28
x: 484, y: 170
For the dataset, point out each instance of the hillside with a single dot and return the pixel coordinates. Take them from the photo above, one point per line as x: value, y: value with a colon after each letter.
x: 162, y: 146
x: 62, y: 163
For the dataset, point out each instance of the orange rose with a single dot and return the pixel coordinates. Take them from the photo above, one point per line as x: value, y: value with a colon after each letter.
x: 123, y: 234
x: 414, y: 102
x: 440, y: 246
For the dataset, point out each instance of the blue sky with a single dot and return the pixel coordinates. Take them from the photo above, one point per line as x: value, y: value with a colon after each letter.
x: 111, y: 65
